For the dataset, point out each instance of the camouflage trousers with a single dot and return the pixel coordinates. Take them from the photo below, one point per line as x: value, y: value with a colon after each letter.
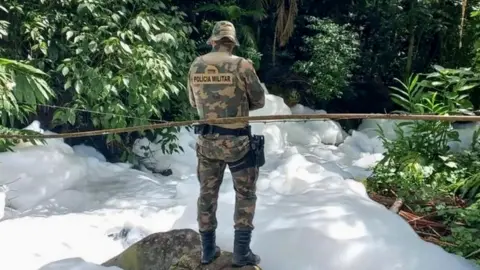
x: 210, y: 172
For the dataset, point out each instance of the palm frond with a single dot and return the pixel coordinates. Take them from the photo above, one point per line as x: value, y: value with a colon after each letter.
x: 224, y: 11
x: 258, y: 14
x: 233, y: 12
x: 257, y: 4
x: 247, y: 36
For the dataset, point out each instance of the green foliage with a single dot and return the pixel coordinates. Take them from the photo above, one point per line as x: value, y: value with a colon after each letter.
x: 419, y: 165
x: 19, y: 82
x: 421, y: 152
x: 468, y: 186
x: 246, y: 49
x: 123, y: 57
x: 3, y: 24
x: 241, y: 18
x: 8, y: 144
x: 127, y: 59
x: 334, y: 50
x: 444, y: 91
x: 476, y: 21
x: 465, y: 227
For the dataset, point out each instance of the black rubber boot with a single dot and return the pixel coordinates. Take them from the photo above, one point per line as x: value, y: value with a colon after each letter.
x: 242, y: 254
x: 209, y: 250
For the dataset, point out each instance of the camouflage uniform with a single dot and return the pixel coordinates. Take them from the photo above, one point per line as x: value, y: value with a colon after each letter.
x: 224, y: 85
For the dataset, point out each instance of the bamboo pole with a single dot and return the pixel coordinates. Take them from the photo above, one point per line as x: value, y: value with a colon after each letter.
x: 267, y: 118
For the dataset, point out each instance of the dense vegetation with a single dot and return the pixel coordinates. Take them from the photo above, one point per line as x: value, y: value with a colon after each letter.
x: 422, y: 168
x: 79, y: 65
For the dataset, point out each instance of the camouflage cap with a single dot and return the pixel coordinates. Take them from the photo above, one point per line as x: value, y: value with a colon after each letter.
x: 223, y: 29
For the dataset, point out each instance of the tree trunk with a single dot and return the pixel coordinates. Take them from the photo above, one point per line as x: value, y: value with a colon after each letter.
x: 411, y: 45
x: 274, y: 48
x: 462, y: 22
x: 411, y: 39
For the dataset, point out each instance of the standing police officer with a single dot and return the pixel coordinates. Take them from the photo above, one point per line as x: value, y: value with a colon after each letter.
x: 221, y: 85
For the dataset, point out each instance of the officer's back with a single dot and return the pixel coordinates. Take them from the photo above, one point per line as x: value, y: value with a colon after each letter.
x: 222, y: 85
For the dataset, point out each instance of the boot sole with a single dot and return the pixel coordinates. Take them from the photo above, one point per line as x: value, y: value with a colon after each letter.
x: 243, y: 265
x: 217, y: 254
x: 234, y: 265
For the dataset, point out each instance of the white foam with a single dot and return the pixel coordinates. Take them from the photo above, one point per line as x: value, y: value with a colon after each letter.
x: 310, y: 213
x: 3, y: 197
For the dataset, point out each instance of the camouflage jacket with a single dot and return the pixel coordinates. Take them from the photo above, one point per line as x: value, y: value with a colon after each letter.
x: 222, y: 85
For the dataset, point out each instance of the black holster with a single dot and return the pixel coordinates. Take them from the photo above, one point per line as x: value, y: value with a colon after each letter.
x: 256, y: 154
x: 257, y: 147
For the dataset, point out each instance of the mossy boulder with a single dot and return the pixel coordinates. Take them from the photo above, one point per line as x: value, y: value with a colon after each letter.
x: 172, y: 250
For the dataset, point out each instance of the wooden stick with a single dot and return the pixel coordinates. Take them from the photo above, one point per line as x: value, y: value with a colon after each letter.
x: 396, y: 206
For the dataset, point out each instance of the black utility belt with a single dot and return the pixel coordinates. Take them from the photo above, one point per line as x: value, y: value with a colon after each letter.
x: 255, y: 156
x: 204, y: 129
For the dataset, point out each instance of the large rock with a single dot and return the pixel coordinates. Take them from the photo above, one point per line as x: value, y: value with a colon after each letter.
x: 172, y: 250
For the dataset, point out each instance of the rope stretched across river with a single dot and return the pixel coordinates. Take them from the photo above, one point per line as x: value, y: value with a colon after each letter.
x: 265, y: 119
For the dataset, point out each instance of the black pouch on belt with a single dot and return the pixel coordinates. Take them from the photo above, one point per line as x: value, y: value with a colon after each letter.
x: 257, y: 143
